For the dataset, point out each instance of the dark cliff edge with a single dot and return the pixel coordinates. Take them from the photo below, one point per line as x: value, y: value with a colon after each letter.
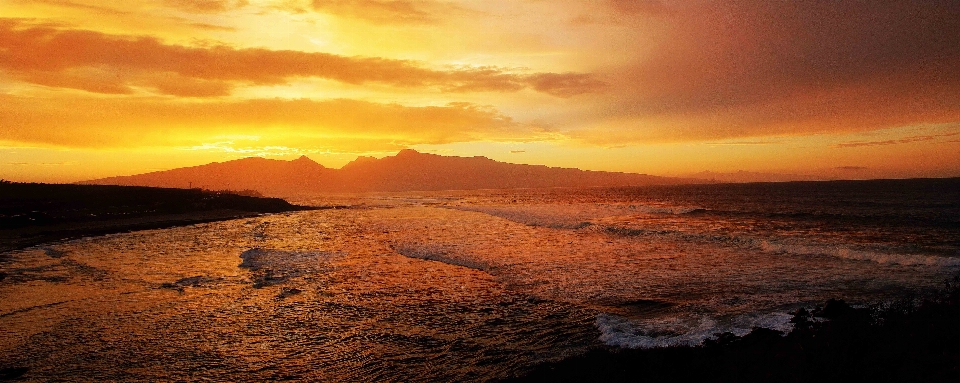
x: 33, y: 213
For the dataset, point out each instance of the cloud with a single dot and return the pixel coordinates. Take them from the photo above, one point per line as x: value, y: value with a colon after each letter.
x: 206, y: 6
x: 202, y: 7
x: 176, y: 85
x: 390, y: 11
x: 91, y: 79
x: 634, y: 7
x: 905, y: 140
x: 742, y: 143
x: 211, y: 27
x: 565, y: 84
x: 49, y: 54
x: 726, y: 69
x: 112, y: 122
x: 71, y: 4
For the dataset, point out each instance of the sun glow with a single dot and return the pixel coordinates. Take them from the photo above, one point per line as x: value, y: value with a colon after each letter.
x: 642, y: 87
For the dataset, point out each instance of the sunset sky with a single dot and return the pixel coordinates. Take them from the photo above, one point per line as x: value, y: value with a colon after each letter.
x: 850, y: 89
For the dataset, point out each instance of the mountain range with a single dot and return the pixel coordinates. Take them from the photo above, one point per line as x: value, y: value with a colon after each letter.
x: 408, y: 170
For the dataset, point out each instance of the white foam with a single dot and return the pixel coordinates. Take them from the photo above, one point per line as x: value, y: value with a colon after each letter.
x: 439, y: 254
x: 669, y: 332
x: 860, y: 255
x: 675, y: 210
x: 572, y: 216
x: 779, y: 321
x: 621, y: 332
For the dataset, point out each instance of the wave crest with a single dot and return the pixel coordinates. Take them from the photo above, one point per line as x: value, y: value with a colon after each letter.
x: 669, y: 332
x: 440, y: 254
x: 861, y: 255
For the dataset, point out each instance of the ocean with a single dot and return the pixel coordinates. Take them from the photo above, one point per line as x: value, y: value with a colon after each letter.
x: 466, y: 285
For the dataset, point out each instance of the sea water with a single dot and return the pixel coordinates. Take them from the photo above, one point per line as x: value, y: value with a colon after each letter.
x: 466, y: 285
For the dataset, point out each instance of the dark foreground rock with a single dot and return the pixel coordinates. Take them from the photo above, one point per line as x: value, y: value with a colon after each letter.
x: 12, y: 373
x: 909, y: 341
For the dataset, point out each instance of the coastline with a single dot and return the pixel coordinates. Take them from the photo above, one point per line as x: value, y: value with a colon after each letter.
x: 21, y: 238
x: 34, y: 214
x: 910, y: 340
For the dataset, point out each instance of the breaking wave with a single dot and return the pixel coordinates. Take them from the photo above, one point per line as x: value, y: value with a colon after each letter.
x: 668, y: 332
x: 440, y: 254
x: 861, y: 255
x: 844, y: 251
x: 574, y: 216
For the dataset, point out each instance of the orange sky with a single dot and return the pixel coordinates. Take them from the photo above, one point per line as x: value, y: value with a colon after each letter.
x: 853, y: 89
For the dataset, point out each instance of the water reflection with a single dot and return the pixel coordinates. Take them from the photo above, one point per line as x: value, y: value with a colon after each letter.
x: 405, y: 288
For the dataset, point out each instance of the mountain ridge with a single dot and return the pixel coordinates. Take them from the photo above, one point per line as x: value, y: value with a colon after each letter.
x: 408, y: 170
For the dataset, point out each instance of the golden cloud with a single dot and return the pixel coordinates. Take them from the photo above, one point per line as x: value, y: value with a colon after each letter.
x: 67, y: 58
x: 390, y: 11
x: 206, y: 6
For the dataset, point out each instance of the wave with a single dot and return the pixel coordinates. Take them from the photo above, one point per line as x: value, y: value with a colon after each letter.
x: 669, y: 332
x: 861, y: 255
x: 843, y: 251
x: 576, y: 216
x: 673, y: 210
x: 440, y: 254
x: 677, y: 235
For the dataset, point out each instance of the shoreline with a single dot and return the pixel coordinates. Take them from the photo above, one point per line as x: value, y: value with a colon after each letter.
x: 35, y: 214
x: 19, y: 239
x: 909, y: 340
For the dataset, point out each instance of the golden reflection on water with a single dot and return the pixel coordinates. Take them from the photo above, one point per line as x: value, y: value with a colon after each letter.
x: 173, y: 304
x: 395, y: 290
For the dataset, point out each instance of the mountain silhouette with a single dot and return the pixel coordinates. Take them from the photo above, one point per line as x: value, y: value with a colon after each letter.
x: 409, y: 170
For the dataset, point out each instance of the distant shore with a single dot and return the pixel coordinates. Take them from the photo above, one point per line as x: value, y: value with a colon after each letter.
x: 32, y: 214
